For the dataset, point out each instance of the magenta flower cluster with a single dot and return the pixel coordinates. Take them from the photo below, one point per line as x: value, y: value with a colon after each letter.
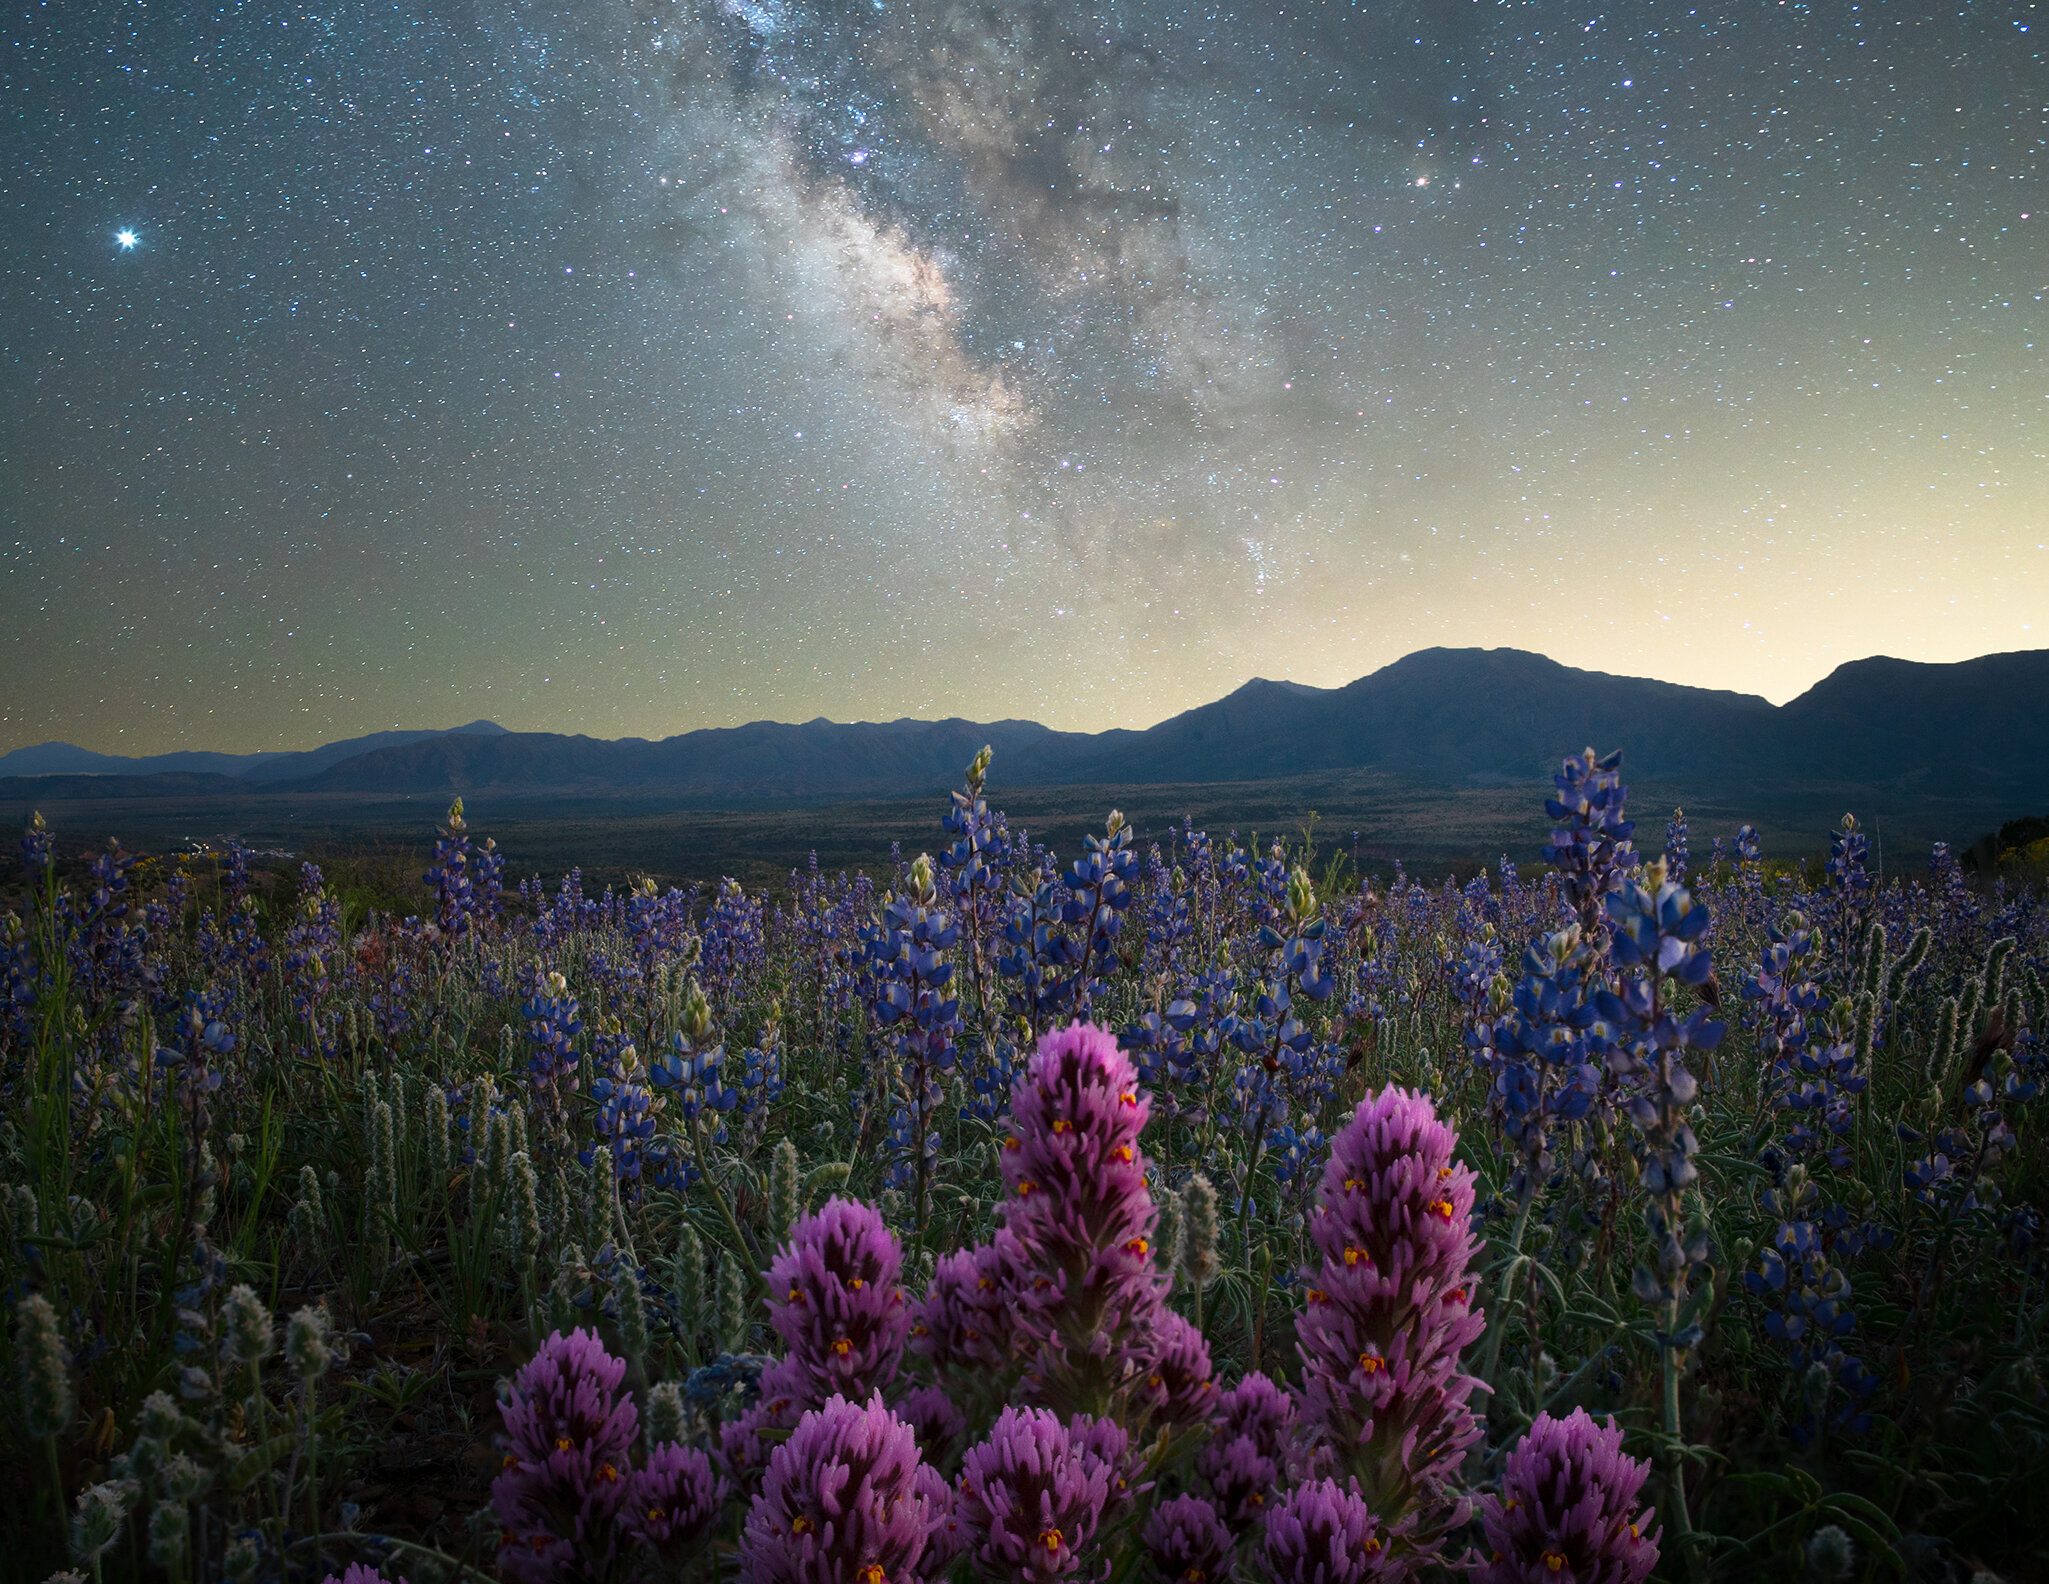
x: 567, y: 1489
x: 1567, y: 1511
x: 1188, y: 1543
x: 848, y: 1500
x: 1326, y: 1533
x: 1069, y: 1306
x: 965, y: 1321
x: 1078, y: 1220
x: 1035, y: 1495
x: 1070, y: 1291
x: 1244, y: 1462
x: 1389, y: 1313
x: 835, y: 1297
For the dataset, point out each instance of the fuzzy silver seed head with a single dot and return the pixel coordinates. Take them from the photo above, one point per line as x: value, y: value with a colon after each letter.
x: 45, y: 1363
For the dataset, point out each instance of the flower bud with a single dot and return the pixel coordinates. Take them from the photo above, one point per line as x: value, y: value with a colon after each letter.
x: 45, y: 1365
x: 248, y: 1336
x: 307, y: 1350
x: 783, y: 1190
x: 167, y: 1528
x: 732, y: 1305
x: 667, y: 1418
x: 96, y: 1523
x: 1198, y: 1251
x: 688, y: 1282
x: 1830, y: 1554
x: 632, y: 1306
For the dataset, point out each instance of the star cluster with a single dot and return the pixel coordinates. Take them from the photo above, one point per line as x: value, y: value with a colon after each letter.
x: 630, y: 367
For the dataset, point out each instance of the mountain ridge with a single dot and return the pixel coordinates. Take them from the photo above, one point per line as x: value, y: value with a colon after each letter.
x: 1443, y: 716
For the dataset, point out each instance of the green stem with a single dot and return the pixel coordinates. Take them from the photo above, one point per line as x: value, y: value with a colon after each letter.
x: 312, y: 1457
x: 1675, y: 1467
x: 1492, y: 1355
x: 56, y: 1482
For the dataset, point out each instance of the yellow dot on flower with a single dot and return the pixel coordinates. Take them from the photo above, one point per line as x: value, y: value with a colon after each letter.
x: 1062, y: 1125
x: 1443, y: 1172
x: 801, y: 1526
x: 1129, y: 1098
x: 1257, y: 1499
x: 984, y: 1284
x: 1013, y: 1142
x: 796, y: 1296
x: 1372, y: 1363
x: 1318, y: 1295
x: 1136, y: 1246
x: 1439, y: 1207
x: 1122, y: 1152
x: 608, y: 1474
x: 1025, y: 1187
x: 842, y: 1347
x: 1372, y: 1545
x: 856, y: 1283
x: 655, y: 1515
x: 1354, y: 1255
x: 1050, y: 1539
x: 1554, y: 1560
x: 510, y: 1462
x: 563, y: 1443
x: 872, y: 1573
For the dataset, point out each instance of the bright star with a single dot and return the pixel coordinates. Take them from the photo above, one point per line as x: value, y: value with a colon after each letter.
x: 126, y: 239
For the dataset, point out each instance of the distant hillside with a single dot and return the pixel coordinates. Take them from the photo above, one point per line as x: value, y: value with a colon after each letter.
x: 760, y: 762
x: 1456, y: 716
x: 61, y: 758
x: 160, y: 784
x: 1976, y: 730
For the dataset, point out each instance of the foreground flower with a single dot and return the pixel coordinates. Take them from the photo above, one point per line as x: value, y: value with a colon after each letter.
x: 1567, y: 1510
x: 1034, y: 1495
x: 835, y: 1298
x: 847, y: 1500
x: 1389, y: 1313
x: 941, y: 1428
x: 1176, y: 1389
x: 1245, y: 1457
x: 673, y: 1500
x: 565, y: 1473
x: 1188, y: 1543
x: 1078, y: 1220
x: 964, y: 1322
x: 1321, y: 1533
x: 743, y: 1453
x: 360, y: 1573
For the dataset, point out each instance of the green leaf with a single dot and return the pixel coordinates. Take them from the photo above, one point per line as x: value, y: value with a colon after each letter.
x: 1872, y: 1540
x: 1851, y: 1502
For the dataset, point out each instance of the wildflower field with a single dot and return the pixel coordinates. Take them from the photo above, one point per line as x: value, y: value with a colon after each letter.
x: 1166, y: 1211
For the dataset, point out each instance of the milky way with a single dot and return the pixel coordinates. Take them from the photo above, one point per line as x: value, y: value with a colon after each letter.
x: 634, y: 367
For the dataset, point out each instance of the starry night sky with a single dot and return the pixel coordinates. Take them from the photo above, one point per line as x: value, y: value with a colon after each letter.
x: 627, y: 368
